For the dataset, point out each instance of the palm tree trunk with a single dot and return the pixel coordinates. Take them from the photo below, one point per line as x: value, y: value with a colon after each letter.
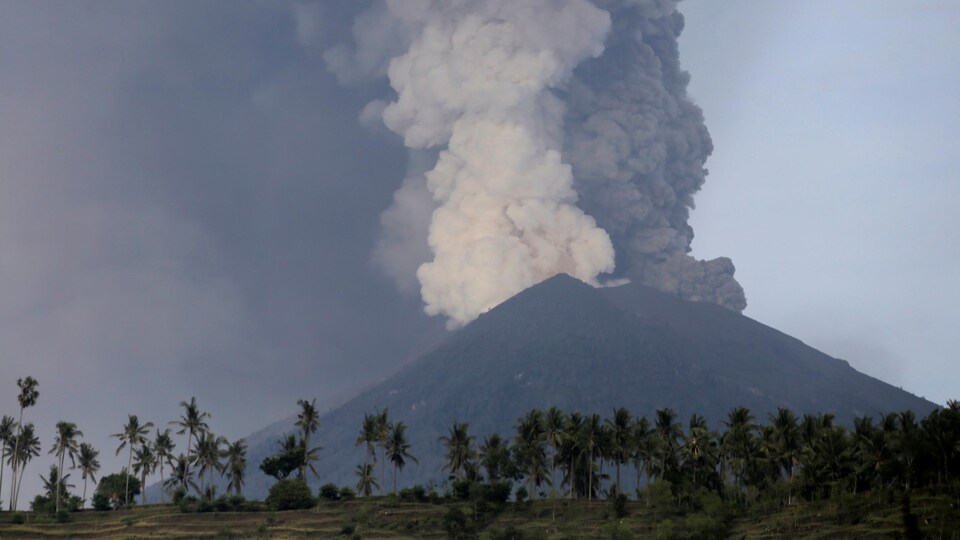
x: 143, y: 486
x: 3, y: 457
x: 618, y: 476
x: 394, y: 478
x: 161, y: 481
x: 59, y: 477
x: 186, y: 465
x: 126, y: 492
x: 590, y: 477
x: 383, y: 467
x: 16, y: 451
x: 16, y: 497
x: 84, y: 490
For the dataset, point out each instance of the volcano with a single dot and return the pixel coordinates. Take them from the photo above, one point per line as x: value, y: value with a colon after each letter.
x: 567, y: 344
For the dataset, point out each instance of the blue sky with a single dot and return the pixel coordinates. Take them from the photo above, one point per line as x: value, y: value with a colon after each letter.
x: 833, y: 184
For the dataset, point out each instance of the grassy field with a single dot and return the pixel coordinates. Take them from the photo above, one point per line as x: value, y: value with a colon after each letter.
x: 938, y: 518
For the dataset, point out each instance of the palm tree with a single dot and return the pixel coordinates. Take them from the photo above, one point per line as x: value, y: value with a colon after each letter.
x: 236, y: 465
x: 368, y: 437
x: 133, y: 435
x: 27, y: 398
x: 89, y: 465
x: 144, y: 465
x: 163, y: 448
x: 553, y: 421
x: 739, y: 442
x: 529, y: 449
x: 459, y: 445
x: 383, y: 434
x: 366, y: 479
x: 27, y: 447
x: 642, y: 450
x: 572, y: 448
x: 398, y: 450
x: 207, y: 456
x: 591, y: 438
x: 308, y: 420
x: 180, y: 475
x: 55, y: 483
x: 7, y: 427
x: 192, y: 423
x: 64, y: 445
x: 666, y: 433
x: 620, y: 438
x: 494, y: 457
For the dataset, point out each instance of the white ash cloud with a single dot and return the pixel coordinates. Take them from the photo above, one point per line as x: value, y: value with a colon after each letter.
x: 564, y: 131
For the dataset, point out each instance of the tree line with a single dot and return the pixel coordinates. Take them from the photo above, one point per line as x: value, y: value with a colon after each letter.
x: 550, y: 452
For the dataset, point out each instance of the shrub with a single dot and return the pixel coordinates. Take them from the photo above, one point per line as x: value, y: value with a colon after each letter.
x: 461, y: 489
x: 620, y: 531
x: 347, y: 530
x: 329, y: 492
x: 63, y: 516
x: 522, y: 494
x: 289, y: 495
x: 101, y: 502
x: 455, y: 523
x: 666, y: 530
x: 619, y: 502
x: 178, y: 495
x: 18, y: 518
x: 347, y: 494
x: 236, y: 502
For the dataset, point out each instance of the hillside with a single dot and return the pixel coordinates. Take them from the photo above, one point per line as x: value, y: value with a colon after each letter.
x: 564, y: 343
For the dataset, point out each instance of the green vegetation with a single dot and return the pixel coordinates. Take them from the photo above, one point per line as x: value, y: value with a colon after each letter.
x: 560, y: 475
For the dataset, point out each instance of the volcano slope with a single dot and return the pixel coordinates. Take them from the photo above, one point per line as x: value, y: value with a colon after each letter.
x: 564, y: 343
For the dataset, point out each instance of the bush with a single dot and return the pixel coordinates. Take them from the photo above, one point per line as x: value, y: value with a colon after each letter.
x: 455, y: 523
x: 619, y: 502
x: 236, y: 502
x: 522, y: 494
x: 666, y: 530
x: 18, y: 518
x: 347, y: 494
x: 701, y: 526
x: 329, y: 492
x: 63, y: 516
x: 178, y: 495
x: 619, y: 531
x: 461, y: 489
x: 289, y: 495
x: 113, y: 487
x: 42, y: 505
x: 101, y: 503
x: 347, y: 530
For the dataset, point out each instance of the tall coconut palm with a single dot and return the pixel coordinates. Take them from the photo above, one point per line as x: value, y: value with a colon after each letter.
x: 236, y: 465
x: 641, y: 449
x: 571, y: 448
x: 667, y: 432
x: 180, y: 475
x: 7, y: 428
x: 739, y: 443
x: 207, y: 456
x: 192, y: 424
x: 89, y: 465
x: 459, y: 445
x: 163, y: 448
x: 368, y: 437
x: 553, y: 421
x: 495, y: 457
x: 26, y: 398
x: 65, y: 445
x: 133, y: 435
x: 27, y: 447
x: 620, y: 431
x: 308, y: 420
x: 529, y: 448
x: 398, y: 450
x: 592, y: 436
x: 366, y: 479
x: 144, y: 464
x: 383, y: 434
x: 55, y: 483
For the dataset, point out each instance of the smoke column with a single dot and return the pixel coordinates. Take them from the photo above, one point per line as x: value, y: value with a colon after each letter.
x: 638, y: 146
x: 562, y: 129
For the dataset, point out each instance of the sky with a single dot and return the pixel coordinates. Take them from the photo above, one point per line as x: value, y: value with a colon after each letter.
x: 190, y: 202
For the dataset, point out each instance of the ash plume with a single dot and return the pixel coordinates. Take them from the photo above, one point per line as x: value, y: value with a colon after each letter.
x: 638, y: 145
x: 562, y: 130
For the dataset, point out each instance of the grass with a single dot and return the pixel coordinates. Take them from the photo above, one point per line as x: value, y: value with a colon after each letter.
x: 381, y: 518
